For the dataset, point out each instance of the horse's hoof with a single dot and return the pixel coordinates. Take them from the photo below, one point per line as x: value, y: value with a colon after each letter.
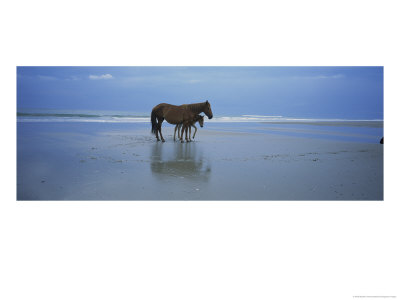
x: 163, y: 141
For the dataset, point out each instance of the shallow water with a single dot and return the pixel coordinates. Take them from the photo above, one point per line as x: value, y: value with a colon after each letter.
x: 364, y: 134
x: 240, y: 161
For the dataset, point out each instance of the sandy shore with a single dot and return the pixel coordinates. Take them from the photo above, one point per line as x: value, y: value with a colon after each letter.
x: 124, y: 162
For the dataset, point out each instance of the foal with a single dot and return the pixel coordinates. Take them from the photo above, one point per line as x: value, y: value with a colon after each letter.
x: 197, y: 118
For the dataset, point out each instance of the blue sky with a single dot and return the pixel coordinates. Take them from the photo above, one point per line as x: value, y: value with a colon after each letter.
x: 310, y: 92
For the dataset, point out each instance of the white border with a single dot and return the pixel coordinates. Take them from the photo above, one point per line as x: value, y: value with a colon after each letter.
x: 199, y: 250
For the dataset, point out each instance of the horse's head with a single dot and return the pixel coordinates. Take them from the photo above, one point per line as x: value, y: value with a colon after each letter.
x: 200, y: 119
x: 207, y: 110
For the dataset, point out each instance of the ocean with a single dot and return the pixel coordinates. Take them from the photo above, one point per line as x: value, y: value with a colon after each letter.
x: 368, y: 131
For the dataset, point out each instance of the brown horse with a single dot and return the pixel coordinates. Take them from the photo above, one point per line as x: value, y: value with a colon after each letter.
x: 177, y: 115
x: 197, y: 118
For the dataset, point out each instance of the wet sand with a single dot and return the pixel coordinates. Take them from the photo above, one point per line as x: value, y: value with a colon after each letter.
x: 84, y: 161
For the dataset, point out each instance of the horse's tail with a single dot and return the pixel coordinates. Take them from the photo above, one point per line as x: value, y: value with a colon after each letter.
x: 154, y: 125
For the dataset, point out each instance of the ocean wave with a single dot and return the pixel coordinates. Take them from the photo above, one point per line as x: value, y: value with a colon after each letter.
x: 84, y: 120
x: 78, y: 115
x: 141, y: 118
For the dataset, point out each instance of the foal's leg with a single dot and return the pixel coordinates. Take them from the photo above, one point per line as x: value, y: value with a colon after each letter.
x: 179, y: 130
x: 186, y: 132
x: 195, y: 130
x: 183, y: 128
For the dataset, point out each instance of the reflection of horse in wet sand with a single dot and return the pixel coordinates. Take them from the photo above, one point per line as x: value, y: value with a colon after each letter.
x: 184, y: 114
x: 183, y: 160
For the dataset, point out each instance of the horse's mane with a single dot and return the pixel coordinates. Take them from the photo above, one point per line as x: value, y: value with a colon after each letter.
x: 196, y: 107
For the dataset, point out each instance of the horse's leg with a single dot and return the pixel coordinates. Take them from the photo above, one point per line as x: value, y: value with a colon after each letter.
x: 159, y: 128
x: 195, y: 130
x: 158, y: 139
x: 190, y: 133
x: 186, y: 132
x: 176, y: 127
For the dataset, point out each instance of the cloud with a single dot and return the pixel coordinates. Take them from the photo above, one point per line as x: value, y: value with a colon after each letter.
x: 194, y: 81
x: 43, y: 77
x: 331, y: 76
x: 73, y: 77
x: 98, y: 77
x: 335, y: 76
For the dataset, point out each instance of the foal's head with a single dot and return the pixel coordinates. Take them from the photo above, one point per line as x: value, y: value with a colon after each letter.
x: 199, y: 119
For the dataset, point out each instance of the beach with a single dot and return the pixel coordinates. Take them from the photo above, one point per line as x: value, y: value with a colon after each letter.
x: 226, y: 161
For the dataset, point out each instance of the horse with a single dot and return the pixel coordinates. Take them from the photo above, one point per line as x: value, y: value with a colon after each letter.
x: 172, y: 114
x: 197, y: 118
x: 176, y: 115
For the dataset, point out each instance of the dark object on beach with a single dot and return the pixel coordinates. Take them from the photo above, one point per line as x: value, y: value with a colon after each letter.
x: 176, y: 115
x: 381, y: 141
